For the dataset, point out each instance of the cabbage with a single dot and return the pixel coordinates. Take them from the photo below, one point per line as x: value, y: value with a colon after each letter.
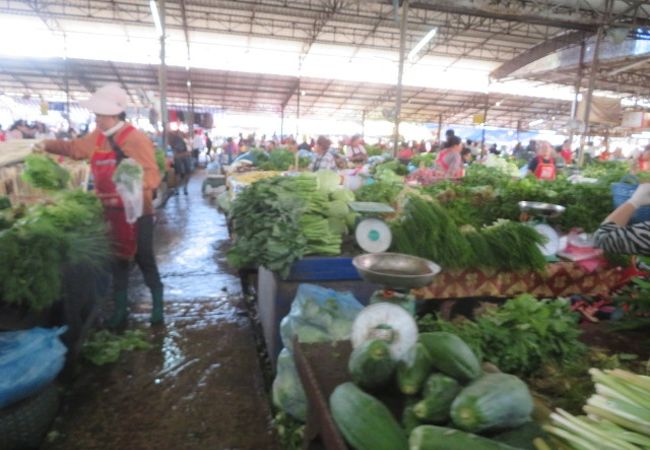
x: 351, y: 219
x: 328, y: 180
x: 338, y: 209
x: 343, y: 194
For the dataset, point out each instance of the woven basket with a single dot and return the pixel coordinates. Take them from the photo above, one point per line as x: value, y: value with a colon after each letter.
x: 24, y: 424
x: 622, y: 191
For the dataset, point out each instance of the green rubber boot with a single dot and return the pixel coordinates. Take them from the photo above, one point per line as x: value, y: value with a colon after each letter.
x: 157, y: 316
x: 120, y: 313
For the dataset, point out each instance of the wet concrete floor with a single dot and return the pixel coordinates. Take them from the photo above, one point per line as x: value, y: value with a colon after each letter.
x: 200, y: 386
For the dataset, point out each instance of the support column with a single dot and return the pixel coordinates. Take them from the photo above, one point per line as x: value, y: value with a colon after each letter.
x: 281, y: 123
x: 485, y: 113
x: 574, y: 103
x: 439, y: 128
x: 162, y: 77
x: 589, y: 94
x: 400, y: 73
x: 298, y: 95
x: 363, y: 124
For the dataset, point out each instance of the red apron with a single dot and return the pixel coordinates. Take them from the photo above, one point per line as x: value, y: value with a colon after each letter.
x: 103, y: 163
x: 545, y: 171
x: 445, y: 167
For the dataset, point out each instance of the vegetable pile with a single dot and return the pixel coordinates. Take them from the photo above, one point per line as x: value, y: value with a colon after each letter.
x: 521, y: 335
x: 425, y: 229
x: 279, y: 220
x: 449, y: 399
x: 36, y: 242
x: 104, y: 347
x: 618, y: 415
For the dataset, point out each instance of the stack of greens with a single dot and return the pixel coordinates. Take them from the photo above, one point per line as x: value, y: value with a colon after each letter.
x: 427, y: 230
x: 279, y: 159
x: 44, y: 173
x: 380, y: 191
x: 279, y: 220
x: 37, y: 242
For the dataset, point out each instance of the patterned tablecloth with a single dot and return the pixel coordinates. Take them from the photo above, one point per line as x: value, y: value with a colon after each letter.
x: 561, y: 279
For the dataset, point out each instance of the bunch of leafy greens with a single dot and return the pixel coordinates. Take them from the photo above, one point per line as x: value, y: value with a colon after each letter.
x: 104, y: 347
x: 379, y: 191
x: 634, y: 298
x: 43, y: 172
x: 129, y: 174
x: 374, y: 150
x: 423, y: 159
x: 40, y: 240
x: 278, y: 220
x: 521, y: 335
x: 426, y: 229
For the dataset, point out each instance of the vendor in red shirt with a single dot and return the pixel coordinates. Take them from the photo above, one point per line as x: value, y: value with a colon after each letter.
x: 450, y: 162
x: 543, y: 166
x: 642, y: 163
x: 565, y: 153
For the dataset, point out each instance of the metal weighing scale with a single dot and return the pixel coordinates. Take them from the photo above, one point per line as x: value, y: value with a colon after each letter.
x: 371, y: 233
x: 398, y: 273
x: 536, y: 214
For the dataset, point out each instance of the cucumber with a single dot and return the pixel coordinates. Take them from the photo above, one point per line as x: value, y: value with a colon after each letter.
x: 438, y: 394
x: 451, y: 355
x: 412, y: 374
x: 364, y: 422
x: 494, y: 401
x: 370, y: 365
x: 430, y: 437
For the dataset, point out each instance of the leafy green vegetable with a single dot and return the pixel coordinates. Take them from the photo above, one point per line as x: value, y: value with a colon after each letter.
x: 41, y: 240
x: 43, y: 172
x: 128, y: 174
x: 521, y: 335
x: 278, y: 159
x: 278, y: 220
x: 427, y: 230
x: 161, y: 161
x: 380, y: 192
x: 104, y: 347
x: 328, y: 181
x: 5, y: 203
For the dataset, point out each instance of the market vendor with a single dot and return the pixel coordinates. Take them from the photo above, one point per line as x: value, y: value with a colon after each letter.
x: 615, y: 235
x: 357, y: 152
x: 325, y: 158
x: 642, y: 163
x: 543, y: 166
x: 112, y: 141
x: 450, y: 162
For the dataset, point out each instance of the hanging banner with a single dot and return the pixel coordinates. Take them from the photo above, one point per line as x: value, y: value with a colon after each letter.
x: 604, y: 111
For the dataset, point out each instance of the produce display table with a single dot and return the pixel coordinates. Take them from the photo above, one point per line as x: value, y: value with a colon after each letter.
x: 274, y: 295
x: 561, y: 279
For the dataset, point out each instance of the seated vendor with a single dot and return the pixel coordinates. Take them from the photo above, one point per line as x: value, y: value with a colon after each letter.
x: 357, y: 154
x: 325, y: 158
x: 616, y: 236
x: 450, y: 162
x: 543, y: 166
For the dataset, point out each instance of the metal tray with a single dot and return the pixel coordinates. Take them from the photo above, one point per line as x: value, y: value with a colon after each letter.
x: 396, y: 270
x: 548, y: 210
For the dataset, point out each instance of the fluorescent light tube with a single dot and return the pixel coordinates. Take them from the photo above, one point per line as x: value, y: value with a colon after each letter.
x: 156, y: 17
x: 425, y: 40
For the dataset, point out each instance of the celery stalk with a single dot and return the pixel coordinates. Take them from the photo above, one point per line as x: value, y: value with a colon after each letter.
x: 625, y: 407
x: 574, y: 441
x: 631, y: 378
x: 617, y: 419
x: 620, y: 387
x: 607, y: 441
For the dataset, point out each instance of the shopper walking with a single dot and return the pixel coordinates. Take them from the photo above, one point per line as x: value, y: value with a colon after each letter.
x: 182, y: 160
x: 112, y: 141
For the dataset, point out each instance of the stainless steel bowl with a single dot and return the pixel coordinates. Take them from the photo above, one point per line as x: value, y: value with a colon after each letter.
x: 396, y: 270
x: 541, y: 209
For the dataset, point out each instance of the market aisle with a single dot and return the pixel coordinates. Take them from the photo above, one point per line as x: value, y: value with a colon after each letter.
x: 201, y: 386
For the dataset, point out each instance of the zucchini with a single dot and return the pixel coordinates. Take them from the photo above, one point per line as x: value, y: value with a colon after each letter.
x: 412, y: 373
x: 430, y: 437
x: 366, y: 424
x: 494, y: 401
x: 371, y: 365
x: 451, y: 355
x: 438, y: 394
x: 409, y: 420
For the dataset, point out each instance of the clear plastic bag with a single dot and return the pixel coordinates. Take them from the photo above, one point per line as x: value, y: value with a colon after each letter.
x: 287, y: 391
x: 128, y: 184
x: 319, y: 314
x: 29, y: 361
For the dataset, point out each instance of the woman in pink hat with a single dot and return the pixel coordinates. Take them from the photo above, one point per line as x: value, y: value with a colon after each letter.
x: 112, y: 141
